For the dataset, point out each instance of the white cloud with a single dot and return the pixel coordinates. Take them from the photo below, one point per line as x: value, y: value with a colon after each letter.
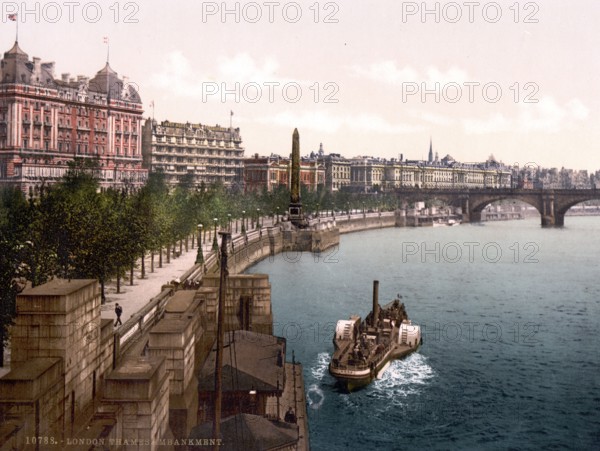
x: 494, y: 124
x: 243, y: 68
x: 386, y: 72
x: 322, y: 121
x: 389, y: 72
x: 577, y: 109
x: 545, y: 116
x: 452, y: 75
x: 432, y: 118
x: 179, y: 78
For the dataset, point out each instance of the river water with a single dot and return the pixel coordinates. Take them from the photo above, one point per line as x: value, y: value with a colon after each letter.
x: 510, y: 314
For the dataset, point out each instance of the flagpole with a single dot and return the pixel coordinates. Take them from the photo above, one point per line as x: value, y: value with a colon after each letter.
x: 17, y: 35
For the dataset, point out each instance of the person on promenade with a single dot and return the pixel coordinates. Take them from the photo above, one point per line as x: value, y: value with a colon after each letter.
x: 118, y: 312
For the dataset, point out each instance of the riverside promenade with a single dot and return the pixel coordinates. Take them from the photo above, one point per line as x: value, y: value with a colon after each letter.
x: 135, y: 297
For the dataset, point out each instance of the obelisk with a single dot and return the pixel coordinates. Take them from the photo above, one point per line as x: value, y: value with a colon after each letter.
x: 295, y: 208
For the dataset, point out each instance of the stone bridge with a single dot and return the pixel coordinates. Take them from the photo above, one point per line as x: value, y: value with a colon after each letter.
x: 551, y: 203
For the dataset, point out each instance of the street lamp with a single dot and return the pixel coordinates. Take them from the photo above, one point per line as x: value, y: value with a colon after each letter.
x: 229, y: 221
x: 215, y: 244
x: 199, y: 255
x: 277, y: 209
x: 258, y: 218
x: 243, y: 221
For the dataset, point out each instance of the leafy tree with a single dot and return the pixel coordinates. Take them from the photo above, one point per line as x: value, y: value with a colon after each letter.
x: 13, y: 245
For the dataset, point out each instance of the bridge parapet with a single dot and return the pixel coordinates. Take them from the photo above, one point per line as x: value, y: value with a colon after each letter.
x: 552, y: 204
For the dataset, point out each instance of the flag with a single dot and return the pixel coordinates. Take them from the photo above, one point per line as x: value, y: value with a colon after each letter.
x: 152, y: 104
x: 12, y: 17
x: 105, y: 39
x: 231, y: 113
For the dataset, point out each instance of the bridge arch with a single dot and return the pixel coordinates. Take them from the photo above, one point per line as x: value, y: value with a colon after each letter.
x: 552, y: 204
x: 477, y: 209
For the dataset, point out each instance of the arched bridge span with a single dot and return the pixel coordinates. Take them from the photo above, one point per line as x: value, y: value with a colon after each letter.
x: 551, y: 203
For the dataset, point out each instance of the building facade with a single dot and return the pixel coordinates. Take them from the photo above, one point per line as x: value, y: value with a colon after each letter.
x: 371, y: 174
x: 268, y: 173
x: 201, y: 153
x: 45, y: 123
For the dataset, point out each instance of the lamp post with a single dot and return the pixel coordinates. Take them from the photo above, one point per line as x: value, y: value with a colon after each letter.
x: 215, y: 244
x: 277, y: 209
x: 229, y: 222
x: 243, y: 222
x: 258, y: 218
x: 200, y: 254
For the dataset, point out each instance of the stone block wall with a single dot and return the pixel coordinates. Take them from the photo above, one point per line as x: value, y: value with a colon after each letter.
x: 256, y: 288
x: 139, y: 388
x: 30, y: 405
x: 62, y: 319
x: 174, y: 339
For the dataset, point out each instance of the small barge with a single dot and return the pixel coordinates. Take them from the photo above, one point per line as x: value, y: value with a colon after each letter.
x: 364, y: 349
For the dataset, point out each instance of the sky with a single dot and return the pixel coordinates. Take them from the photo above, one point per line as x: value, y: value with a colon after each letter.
x: 517, y: 80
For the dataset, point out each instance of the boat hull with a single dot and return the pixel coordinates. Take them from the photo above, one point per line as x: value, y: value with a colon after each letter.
x: 349, y: 379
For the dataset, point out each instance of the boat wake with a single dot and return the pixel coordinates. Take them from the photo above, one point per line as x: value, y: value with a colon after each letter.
x: 315, y: 397
x: 402, y: 378
x: 320, y: 369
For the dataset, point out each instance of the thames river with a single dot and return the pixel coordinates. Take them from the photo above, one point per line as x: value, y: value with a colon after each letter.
x: 510, y: 314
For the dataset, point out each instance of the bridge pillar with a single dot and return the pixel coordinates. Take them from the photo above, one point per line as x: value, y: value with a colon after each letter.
x: 475, y: 216
x: 550, y: 218
x: 466, y: 216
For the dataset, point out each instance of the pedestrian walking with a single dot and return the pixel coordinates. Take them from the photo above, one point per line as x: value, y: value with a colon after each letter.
x: 118, y: 312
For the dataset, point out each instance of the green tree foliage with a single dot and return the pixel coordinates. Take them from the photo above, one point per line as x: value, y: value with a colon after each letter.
x: 13, y: 248
x: 76, y: 230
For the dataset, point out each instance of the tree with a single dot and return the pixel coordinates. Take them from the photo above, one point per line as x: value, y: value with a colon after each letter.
x: 13, y: 243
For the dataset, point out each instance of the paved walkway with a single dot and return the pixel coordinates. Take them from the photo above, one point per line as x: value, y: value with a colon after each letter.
x: 134, y: 297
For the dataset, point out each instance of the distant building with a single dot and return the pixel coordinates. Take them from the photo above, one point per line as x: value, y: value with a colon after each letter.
x: 205, y: 154
x: 267, y: 173
x: 337, y: 170
x: 46, y: 122
x: 367, y: 174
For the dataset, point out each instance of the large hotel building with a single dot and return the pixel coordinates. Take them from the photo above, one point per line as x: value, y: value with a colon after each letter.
x: 46, y: 122
x: 201, y: 153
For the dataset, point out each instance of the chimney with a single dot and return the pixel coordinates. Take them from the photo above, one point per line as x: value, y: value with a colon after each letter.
x: 65, y: 77
x: 49, y: 66
x: 375, y: 312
